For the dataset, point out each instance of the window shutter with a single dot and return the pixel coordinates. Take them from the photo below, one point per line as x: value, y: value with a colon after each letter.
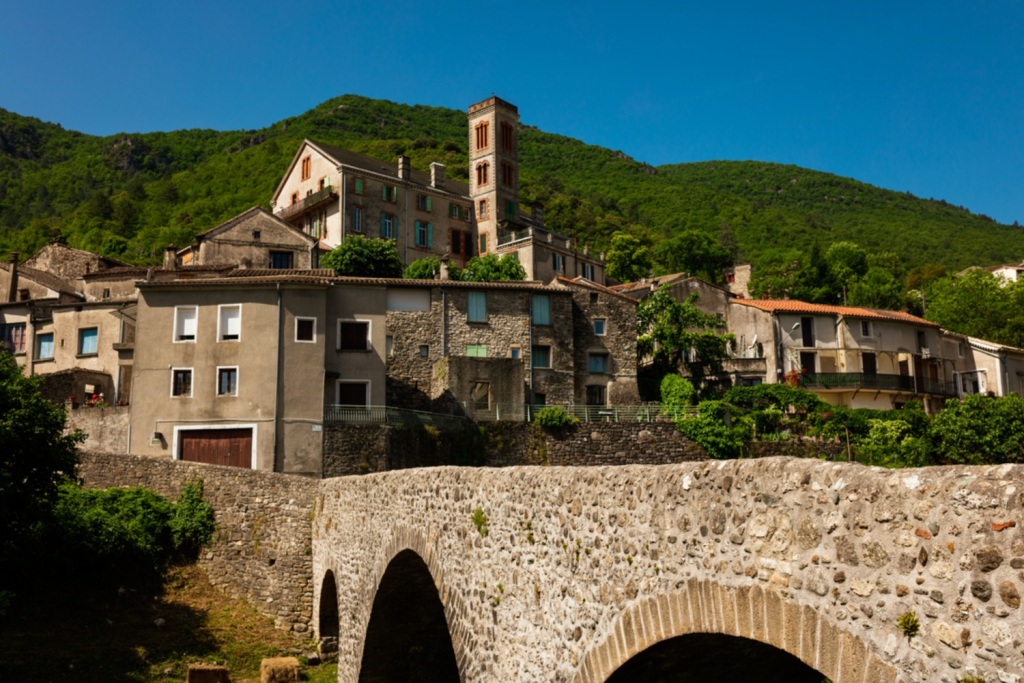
x: 541, y: 310
x: 430, y: 236
x: 359, y: 185
x: 429, y: 204
x: 383, y: 218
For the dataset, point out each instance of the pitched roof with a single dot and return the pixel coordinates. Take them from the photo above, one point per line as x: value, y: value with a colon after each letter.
x: 256, y: 213
x: 581, y: 281
x: 992, y: 269
x: 48, y: 280
x: 653, y: 282
x: 282, y: 272
x: 128, y: 272
x: 794, y: 306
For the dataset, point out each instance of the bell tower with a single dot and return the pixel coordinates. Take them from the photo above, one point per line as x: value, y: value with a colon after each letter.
x: 493, y: 168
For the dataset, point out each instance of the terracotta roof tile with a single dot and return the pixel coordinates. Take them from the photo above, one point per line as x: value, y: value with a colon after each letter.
x: 794, y: 306
x: 589, y: 284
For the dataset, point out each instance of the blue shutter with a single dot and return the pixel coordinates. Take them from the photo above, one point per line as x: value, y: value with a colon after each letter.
x: 430, y: 236
x: 541, y: 309
x: 477, y: 307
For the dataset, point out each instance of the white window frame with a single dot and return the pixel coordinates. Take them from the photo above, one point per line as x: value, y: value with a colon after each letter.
x: 175, y: 441
x: 306, y: 341
x: 605, y: 322
x: 174, y: 329
x: 389, y: 223
x: 216, y: 386
x: 192, y: 391
x: 369, y: 333
x: 369, y: 389
x: 220, y: 332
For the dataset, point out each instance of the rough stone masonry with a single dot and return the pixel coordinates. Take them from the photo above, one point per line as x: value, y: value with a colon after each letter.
x: 595, y: 564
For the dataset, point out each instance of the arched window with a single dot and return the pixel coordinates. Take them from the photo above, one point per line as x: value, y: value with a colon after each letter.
x: 482, y: 173
x: 481, y: 135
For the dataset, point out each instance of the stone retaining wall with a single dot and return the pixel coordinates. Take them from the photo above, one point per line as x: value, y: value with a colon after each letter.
x: 262, y: 548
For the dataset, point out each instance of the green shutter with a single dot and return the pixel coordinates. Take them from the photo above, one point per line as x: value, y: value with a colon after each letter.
x: 429, y: 204
x: 359, y: 185
x: 476, y: 305
x: 430, y: 236
x: 541, y: 309
x: 382, y: 219
x: 384, y: 192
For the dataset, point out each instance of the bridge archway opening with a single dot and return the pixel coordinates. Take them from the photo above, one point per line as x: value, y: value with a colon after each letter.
x: 407, y: 638
x: 328, y: 624
x: 702, y: 657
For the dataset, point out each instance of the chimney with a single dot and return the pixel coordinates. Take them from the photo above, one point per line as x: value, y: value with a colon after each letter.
x: 537, y: 212
x: 437, y: 175
x: 170, y: 257
x: 12, y: 291
x: 404, y: 167
x: 586, y: 250
x: 445, y: 273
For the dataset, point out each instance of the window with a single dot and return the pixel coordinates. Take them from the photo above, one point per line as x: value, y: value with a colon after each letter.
x: 255, y: 235
x: 593, y: 298
x: 295, y: 197
x: 320, y: 185
x: 457, y: 211
x: 424, y: 203
x: 316, y: 224
x: 508, y: 175
x: 807, y: 330
x: 281, y: 260
x: 480, y: 395
x: 869, y: 364
x: 230, y: 328
x: 510, y: 210
x: 25, y: 295
x: 922, y: 340
x: 389, y: 194
x: 389, y: 345
x: 865, y: 328
x: 387, y: 226
x: 424, y: 235
x: 425, y: 351
x: 354, y: 335
x: 483, y: 210
x: 357, y: 219
x: 481, y: 135
x: 45, y: 346
x: 185, y: 323
x: 540, y: 357
x: 305, y: 330
x: 227, y: 381
x: 595, y: 396
x: 558, y: 263
x: 307, y: 168
x: 476, y: 307
x: 483, y: 244
x: 960, y: 349
x: 599, y: 326
x: 181, y: 382
x: 515, y: 352
x: 476, y: 350
x: 455, y: 239
x: 540, y: 400
x: 12, y: 337
x: 468, y: 245
x: 353, y: 393
x: 357, y: 186
x: 588, y: 272
x: 482, y: 172
x: 598, y: 363
x: 87, y: 341
x: 507, y: 137
x: 541, y: 309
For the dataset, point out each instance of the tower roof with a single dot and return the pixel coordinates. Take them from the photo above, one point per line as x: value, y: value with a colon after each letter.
x: 495, y: 102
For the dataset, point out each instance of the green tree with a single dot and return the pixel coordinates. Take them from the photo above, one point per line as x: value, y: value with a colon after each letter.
x: 846, y: 262
x: 490, y: 268
x: 628, y: 259
x: 679, y: 336
x: 889, y: 261
x: 36, y: 456
x: 877, y: 289
x: 978, y: 304
x: 360, y: 256
x: 979, y: 429
x: 423, y: 269
x: 777, y: 274
x: 695, y: 253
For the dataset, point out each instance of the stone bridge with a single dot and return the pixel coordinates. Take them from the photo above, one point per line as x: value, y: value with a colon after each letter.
x: 756, y: 570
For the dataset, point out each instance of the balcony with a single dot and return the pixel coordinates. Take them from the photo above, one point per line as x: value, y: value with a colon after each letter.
x: 308, y: 203
x: 509, y: 236
x: 857, y: 380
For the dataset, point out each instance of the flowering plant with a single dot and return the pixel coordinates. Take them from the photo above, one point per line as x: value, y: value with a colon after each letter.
x: 96, y: 401
x: 793, y: 377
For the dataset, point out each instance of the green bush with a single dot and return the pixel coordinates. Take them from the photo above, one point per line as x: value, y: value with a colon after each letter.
x: 779, y: 396
x: 709, y: 431
x: 192, y: 522
x: 554, y: 417
x: 979, y: 429
x: 676, y: 393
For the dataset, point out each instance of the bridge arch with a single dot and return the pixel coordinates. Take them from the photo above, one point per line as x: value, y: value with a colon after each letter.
x: 751, y: 612
x: 328, y: 620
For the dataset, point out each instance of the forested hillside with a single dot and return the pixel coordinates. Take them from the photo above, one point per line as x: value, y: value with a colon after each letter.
x: 130, y: 194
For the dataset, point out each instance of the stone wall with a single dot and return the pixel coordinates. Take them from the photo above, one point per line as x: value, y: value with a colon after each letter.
x: 618, y: 341
x: 261, y: 550
x: 106, y: 428
x: 580, y: 569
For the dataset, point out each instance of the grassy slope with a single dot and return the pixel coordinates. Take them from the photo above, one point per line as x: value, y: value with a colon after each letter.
x: 99, y: 638
x: 48, y: 174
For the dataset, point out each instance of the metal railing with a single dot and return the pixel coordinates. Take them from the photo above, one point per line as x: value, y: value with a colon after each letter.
x: 512, y: 412
x: 508, y: 236
x: 386, y: 415
x: 938, y: 386
x: 857, y: 380
x: 305, y: 203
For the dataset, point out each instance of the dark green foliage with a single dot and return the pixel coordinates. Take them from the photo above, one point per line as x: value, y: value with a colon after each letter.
x: 360, y: 256
x: 554, y: 417
x: 676, y: 394
x: 694, y: 253
x: 628, y: 258
x: 708, y: 429
x: 35, y: 455
x: 780, y: 396
x: 191, y: 522
x: 490, y: 268
x: 423, y: 269
x: 979, y: 304
x: 979, y: 429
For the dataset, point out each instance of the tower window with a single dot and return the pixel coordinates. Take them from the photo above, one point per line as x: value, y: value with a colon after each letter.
x: 508, y: 175
x: 510, y: 210
x: 483, y: 209
x: 481, y: 135
x: 507, y: 137
x: 307, y: 168
x: 482, y: 171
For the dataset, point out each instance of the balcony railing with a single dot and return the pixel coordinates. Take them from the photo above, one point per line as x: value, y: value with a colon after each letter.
x: 509, y: 236
x: 386, y: 415
x: 306, y: 203
x: 856, y: 380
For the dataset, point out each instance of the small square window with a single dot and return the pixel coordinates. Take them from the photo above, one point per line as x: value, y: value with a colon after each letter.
x: 227, y: 381
x: 540, y: 357
x: 305, y: 329
x: 353, y: 335
x: 515, y: 352
x: 593, y: 298
x: 599, y: 327
x: 181, y: 382
x: 480, y: 395
x: 599, y: 363
x: 255, y: 235
x: 425, y: 351
x: 106, y: 294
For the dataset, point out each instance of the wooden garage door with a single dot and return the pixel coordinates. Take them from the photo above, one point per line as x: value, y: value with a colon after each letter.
x: 231, y: 447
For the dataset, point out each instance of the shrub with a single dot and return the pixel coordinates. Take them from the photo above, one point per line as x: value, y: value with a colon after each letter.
x: 909, y: 624
x: 554, y: 417
x: 979, y: 429
x: 709, y: 431
x: 360, y: 256
x: 480, y: 521
x: 773, y: 396
x: 676, y: 394
x: 192, y: 522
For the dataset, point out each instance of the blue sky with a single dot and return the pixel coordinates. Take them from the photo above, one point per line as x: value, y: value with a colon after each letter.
x: 926, y: 97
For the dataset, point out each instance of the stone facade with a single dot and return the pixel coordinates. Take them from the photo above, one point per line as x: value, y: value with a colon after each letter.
x: 252, y: 239
x: 106, y: 429
x: 261, y: 549
x: 581, y: 569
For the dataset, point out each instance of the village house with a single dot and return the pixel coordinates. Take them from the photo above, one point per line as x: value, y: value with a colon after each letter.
x: 330, y: 193
x: 1008, y: 272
